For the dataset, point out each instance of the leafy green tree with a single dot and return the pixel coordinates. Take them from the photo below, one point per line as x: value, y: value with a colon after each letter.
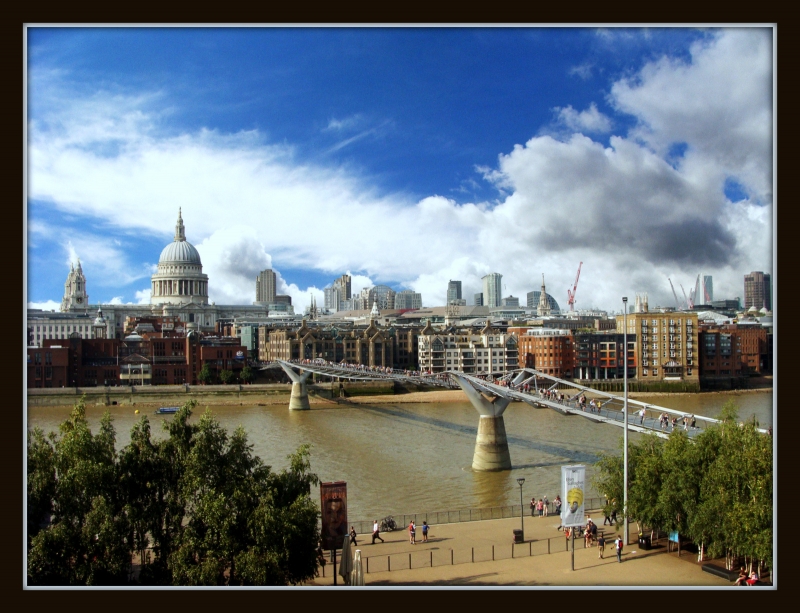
x: 226, y: 376
x: 205, y: 376
x: 246, y: 376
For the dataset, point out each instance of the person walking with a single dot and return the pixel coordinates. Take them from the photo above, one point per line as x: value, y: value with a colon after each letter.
x: 353, y: 536
x: 642, y: 413
x: 425, y: 528
x: 618, y: 547
x: 376, y: 532
x: 412, y: 532
x: 601, y: 545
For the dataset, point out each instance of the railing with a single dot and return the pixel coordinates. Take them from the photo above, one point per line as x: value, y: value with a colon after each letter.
x: 364, y: 527
x: 450, y: 557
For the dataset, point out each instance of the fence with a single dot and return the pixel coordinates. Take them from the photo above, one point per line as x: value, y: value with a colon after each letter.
x: 451, y: 557
x: 462, y: 515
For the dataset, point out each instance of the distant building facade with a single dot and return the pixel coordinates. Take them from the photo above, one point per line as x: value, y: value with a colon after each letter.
x: 266, y: 287
x: 757, y: 291
x: 453, y: 291
x: 489, y: 352
x: 408, y: 299
x: 666, y: 346
x: 492, y: 289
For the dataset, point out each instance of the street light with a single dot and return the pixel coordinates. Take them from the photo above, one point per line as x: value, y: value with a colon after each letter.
x: 521, y: 480
x: 625, y: 419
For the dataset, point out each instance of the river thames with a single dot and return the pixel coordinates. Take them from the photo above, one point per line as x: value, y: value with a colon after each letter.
x: 415, y: 458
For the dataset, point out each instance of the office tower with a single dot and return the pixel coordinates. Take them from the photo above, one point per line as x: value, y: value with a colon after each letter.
x: 343, y: 285
x: 265, y: 287
x: 479, y: 299
x: 510, y: 301
x: 492, y: 289
x: 708, y: 289
x: 331, y: 298
x: 453, y: 291
x: 757, y: 291
x: 408, y: 299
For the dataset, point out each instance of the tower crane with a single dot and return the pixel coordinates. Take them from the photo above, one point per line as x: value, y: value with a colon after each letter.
x: 674, y: 293
x: 685, y: 299
x: 571, y: 293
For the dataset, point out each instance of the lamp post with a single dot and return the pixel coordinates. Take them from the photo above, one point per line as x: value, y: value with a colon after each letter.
x: 625, y: 533
x: 521, y: 480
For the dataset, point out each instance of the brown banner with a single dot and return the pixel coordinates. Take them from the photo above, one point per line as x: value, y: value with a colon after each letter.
x: 334, y: 513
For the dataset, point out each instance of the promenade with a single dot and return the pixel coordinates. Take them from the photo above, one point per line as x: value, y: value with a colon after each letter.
x: 638, y: 568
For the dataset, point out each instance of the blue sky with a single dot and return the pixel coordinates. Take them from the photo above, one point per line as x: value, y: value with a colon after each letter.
x: 405, y: 156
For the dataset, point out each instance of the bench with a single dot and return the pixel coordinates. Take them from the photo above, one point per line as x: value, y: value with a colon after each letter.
x: 730, y: 575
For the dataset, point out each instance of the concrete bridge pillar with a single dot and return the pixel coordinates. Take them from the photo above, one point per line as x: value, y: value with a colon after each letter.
x: 491, y: 445
x: 298, y: 401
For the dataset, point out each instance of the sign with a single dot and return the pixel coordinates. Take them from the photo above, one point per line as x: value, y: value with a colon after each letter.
x: 334, y: 514
x: 674, y: 538
x: 573, y: 480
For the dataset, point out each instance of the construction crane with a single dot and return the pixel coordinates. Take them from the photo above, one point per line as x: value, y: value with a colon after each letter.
x: 571, y: 293
x: 685, y: 299
x: 674, y: 293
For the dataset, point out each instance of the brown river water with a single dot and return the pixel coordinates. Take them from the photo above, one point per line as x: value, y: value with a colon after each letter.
x: 416, y: 458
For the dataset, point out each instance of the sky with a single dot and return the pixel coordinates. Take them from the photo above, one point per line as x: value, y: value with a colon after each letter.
x: 403, y: 156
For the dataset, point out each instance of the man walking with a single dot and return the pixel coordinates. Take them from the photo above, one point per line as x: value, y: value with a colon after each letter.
x: 618, y: 547
x: 376, y: 532
x: 601, y: 545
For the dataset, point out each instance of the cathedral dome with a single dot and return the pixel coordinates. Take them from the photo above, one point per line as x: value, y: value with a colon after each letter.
x: 180, y: 250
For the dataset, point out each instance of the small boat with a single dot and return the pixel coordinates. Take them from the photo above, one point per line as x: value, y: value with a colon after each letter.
x: 168, y: 409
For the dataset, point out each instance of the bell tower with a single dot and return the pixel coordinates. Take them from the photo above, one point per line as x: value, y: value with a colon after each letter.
x: 75, y: 296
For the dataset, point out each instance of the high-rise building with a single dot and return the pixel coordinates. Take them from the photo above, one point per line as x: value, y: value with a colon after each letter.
x: 492, y: 289
x: 479, y: 299
x: 453, y: 291
x: 331, y: 298
x: 408, y: 299
x: 265, y: 287
x: 757, y: 291
x: 343, y: 284
x: 708, y: 290
x: 510, y: 301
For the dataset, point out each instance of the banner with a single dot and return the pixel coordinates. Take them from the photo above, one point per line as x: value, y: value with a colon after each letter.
x: 573, y: 487
x: 334, y: 514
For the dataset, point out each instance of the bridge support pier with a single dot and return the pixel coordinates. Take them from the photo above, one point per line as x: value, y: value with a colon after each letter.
x: 491, y: 445
x: 298, y: 401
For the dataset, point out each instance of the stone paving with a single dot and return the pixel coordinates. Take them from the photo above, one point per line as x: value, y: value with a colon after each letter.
x: 457, y: 542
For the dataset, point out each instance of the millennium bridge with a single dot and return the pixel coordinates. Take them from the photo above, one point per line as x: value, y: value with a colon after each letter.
x: 490, y: 397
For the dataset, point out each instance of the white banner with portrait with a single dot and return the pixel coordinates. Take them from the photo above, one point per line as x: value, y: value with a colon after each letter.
x: 573, y: 486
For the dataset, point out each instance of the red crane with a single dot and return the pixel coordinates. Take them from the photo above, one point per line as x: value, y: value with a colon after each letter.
x: 571, y: 293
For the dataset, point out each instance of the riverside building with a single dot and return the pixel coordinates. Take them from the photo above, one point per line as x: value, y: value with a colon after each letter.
x: 489, y: 352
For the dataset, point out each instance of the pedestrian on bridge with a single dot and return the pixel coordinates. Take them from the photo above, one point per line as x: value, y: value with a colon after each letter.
x: 642, y: 413
x: 376, y: 532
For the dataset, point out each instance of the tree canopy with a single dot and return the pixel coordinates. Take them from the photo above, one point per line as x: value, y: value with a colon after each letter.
x: 716, y: 489
x: 196, y: 508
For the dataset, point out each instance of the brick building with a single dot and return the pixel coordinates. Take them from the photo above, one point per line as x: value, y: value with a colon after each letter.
x: 599, y: 356
x: 666, y: 345
x: 548, y: 350
x: 731, y: 350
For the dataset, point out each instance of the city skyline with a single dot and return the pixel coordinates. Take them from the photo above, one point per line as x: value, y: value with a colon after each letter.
x: 401, y: 156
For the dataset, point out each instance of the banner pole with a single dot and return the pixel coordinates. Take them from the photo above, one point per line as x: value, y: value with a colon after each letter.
x: 572, y: 532
x: 334, y: 567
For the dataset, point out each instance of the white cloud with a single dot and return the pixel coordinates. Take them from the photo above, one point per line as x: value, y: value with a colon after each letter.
x: 631, y: 217
x: 584, y: 71
x: 143, y: 296
x: 590, y: 120
x: 47, y: 305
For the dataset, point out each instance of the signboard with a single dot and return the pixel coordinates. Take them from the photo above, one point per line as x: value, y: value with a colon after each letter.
x: 674, y: 538
x: 334, y: 514
x: 573, y: 480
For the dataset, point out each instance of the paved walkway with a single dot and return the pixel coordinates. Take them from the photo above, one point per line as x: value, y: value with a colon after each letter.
x: 458, y: 541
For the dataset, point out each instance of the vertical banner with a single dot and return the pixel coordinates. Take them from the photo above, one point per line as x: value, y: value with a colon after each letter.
x: 334, y: 513
x: 573, y: 487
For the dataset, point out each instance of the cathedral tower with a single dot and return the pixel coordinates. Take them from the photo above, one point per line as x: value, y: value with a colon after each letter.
x: 75, y: 296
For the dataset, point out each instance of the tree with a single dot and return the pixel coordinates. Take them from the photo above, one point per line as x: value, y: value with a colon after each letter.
x: 204, y: 376
x: 226, y: 376
x: 213, y: 513
x: 246, y: 376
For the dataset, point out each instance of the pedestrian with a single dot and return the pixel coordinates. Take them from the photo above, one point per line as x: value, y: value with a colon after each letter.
x: 601, y: 545
x: 412, y: 532
x: 425, y: 532
x: 376, y: 532
x: 546, y: 503
x: 540, y: 507
x: 642, y: 413
x: 618, y: 547
x: 353, y: 536
x: 533, y: 506
x: 558, y: 504
x: 694, y: 422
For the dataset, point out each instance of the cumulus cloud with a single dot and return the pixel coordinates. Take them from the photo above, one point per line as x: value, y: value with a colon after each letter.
x: 623, y: 209
x: 47, y: 305
x: 591, y: 120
